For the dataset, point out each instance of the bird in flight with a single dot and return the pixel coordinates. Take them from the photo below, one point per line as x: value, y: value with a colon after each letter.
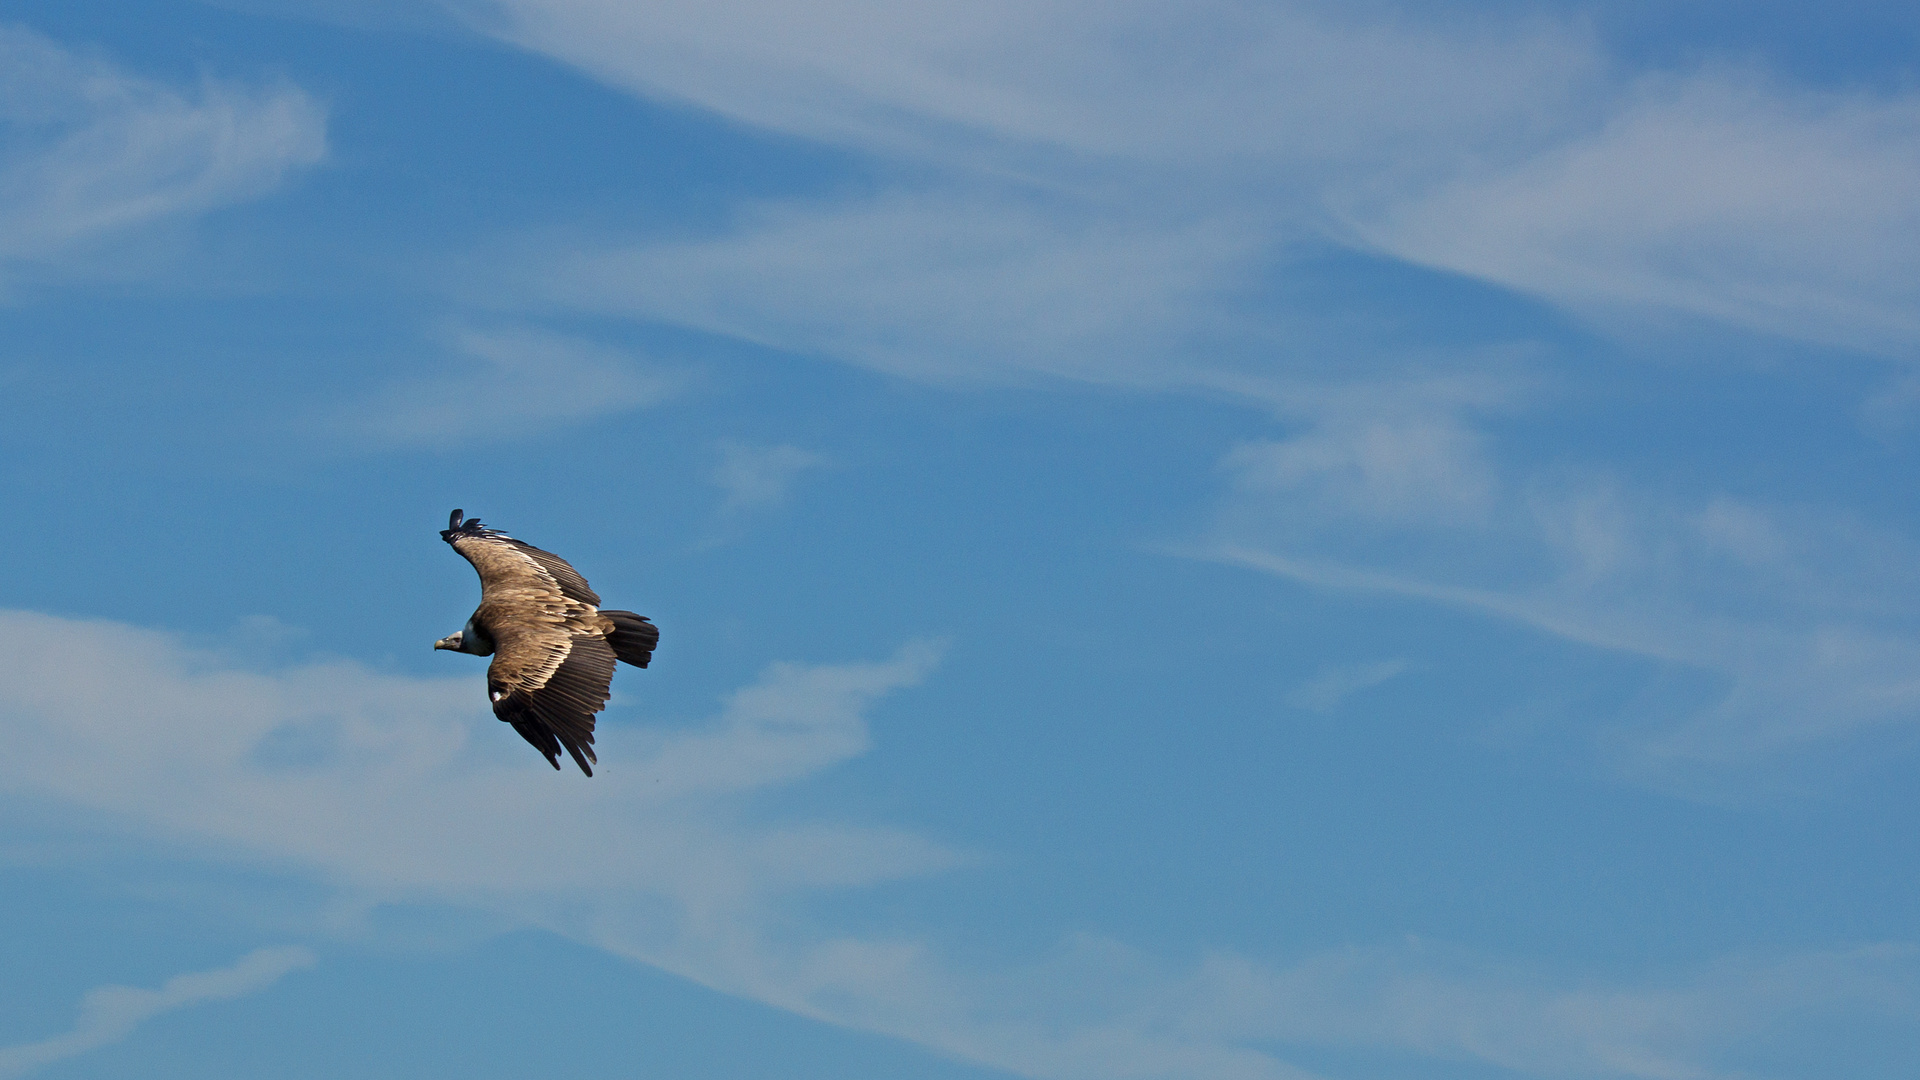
x: 553, y: 648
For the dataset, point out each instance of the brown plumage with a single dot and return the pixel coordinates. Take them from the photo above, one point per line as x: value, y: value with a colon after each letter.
x: 553, y: 648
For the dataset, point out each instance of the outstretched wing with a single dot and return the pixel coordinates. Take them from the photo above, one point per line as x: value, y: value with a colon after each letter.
x: 510, y: 568
x: 548, y: 682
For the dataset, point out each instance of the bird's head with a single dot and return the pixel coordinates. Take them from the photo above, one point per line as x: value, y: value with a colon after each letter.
x: 472, y: 639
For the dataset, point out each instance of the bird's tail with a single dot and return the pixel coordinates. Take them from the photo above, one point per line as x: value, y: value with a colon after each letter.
x: 633, y: 637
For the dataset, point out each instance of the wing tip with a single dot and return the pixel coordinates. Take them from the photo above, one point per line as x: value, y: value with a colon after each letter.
x: 459, y: 525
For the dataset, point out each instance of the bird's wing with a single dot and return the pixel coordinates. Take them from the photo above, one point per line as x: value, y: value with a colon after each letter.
x: 551, y: 661
x: 511, y: 566
x: 547, y: 680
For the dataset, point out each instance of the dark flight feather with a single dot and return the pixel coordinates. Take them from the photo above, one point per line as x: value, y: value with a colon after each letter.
x: 634, y: 637
x: 563, y: 707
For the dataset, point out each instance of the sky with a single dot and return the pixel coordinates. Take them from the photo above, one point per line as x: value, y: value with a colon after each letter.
x: 1222, y: 539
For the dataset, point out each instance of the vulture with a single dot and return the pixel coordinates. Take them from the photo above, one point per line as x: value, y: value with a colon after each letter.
x: 553, y: 648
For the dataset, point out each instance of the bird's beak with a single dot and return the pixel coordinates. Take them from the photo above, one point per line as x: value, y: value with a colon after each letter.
x: 451, y: 641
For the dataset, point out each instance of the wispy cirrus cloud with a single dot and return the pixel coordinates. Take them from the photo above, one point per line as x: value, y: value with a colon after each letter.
x: 88, y: 150
x: 109, y: 1014
x: 944, y: 286
x: 1068, y: 84
x: 1791, y: 623
x: 502, y: 383
x: 1723, y: 195
x: 1108, y: 176
x: 1328, y: 688
x: 1448, y: 1003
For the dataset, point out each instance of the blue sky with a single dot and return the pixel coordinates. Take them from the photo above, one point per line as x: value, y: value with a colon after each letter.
x: 1247, y: 541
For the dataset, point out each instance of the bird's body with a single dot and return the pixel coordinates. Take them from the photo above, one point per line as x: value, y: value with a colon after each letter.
x: 553, y: 648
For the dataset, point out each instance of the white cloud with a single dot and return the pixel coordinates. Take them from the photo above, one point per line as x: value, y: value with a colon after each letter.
x: 88, y: 150
x: 1449, y: 1004
x: 1128, y: 162
x: 1718, y: 195
x: 1384, y: 468
x: 760, y: 476
x: 941, y: 286
x: 1792, y: 621
x: 400, y: 790
x: 190, y: 747
x: 1110, y: 176
x: 1051, y: 84
x: 1326, y: 690
x: 506, y: 383
x: 796, y: 720
x: 111, y: 1013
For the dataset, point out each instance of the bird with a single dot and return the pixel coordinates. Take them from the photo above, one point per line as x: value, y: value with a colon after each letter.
x: 553, y: 647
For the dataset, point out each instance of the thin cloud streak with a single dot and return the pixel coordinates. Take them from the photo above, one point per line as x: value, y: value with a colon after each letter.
x: 93, y: 151
x: 1325, y: 691
x: 505, y: 383
x: 1334, y: 575
x: 1450, y: 1004
x: 111, y: 1013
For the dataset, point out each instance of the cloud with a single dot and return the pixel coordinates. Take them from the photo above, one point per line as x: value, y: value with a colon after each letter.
x: 1379, y: 468
x: 381, y: 788
x: 1787, y: 624
x: 1326, y: 690
x: 760, y: 476
x: 88, y: 150
x: 189, y: 746
x: 1054, y: 85
x: 506, y: 383
x: 1098, y: 205
x: 1448, y: 1003
x: 1720, y: 195
x: 1107, y: 179
x: 943, y: 286
x: 111, y: 1013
